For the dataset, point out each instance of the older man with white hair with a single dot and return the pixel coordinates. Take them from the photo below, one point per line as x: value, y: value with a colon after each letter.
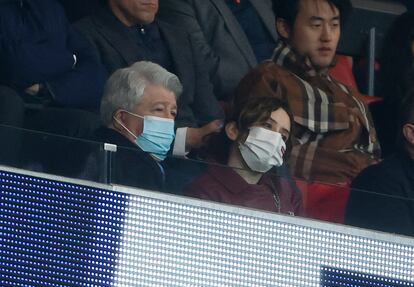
x: 138, y: 110
x: 125, y: 31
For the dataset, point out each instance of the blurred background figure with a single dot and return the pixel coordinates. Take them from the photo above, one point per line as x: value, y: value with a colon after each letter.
x: 233, y: 36
x: 44, y: 59
x: 49, y: 76
x: 396, y: 76
x: 382, y: 196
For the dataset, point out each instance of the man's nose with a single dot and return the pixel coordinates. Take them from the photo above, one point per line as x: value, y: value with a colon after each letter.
x: 326, y: 35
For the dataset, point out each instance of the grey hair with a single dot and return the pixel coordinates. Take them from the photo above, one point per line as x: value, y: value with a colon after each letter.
x: 125, y: 87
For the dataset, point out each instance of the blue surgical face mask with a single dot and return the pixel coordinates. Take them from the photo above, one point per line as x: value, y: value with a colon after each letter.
x: 156, y: 137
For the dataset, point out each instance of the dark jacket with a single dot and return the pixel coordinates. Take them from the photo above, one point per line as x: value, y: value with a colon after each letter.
x: 223, y: 184
x: 382, y: 197
x: 219, y: 36
x: 131, y: 166
x: 37, y: 46
x: 197, y: 105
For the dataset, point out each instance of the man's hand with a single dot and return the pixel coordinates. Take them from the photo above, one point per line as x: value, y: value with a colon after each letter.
x: 197, y: 137
x: 33, y: 90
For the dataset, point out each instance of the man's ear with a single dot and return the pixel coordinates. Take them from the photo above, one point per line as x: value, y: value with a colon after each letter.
x: 232, y: 131
x: 119, y: 116
x: 283, y: 28
x: 408, y: 132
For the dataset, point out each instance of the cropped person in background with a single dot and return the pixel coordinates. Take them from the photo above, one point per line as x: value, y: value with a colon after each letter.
x: 396, y: 76
x: 382, y: 196
x: 138, y: 110
x: 48, y: 64
x: 48, y: 79
x: 256, y: 140
x: 42, y: 56
x: 233, y: 35
x: 125, y: 31
x: 334, y: 135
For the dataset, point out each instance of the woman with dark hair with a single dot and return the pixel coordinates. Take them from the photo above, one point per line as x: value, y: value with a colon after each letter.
x: 257, y: 135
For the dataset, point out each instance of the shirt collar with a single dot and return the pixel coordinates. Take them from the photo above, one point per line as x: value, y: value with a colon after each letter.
x: 150, y: 30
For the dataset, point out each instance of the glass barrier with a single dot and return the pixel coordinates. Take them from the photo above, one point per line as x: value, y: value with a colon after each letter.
x: 387, y: 206
x: 52, y: 154
x: 276, y: 191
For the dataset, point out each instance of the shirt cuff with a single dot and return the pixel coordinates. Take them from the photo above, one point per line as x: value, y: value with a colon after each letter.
x: 179, y: 143
x: 75, y: 61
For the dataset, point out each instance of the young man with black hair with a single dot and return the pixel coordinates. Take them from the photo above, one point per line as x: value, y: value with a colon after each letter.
x: 382, y: 195
x: 335, y: 137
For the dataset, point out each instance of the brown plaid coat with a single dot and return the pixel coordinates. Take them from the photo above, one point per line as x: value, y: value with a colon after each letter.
x: 333, y: 136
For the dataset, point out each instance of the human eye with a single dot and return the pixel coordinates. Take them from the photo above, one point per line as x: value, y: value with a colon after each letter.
x: 173, y: 113
x: 267, y: 125
x: 316, y: 24
x: 335, y: 23
x: 158, y: 108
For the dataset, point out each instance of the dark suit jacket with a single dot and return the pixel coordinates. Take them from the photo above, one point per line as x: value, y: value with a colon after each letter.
x: 382, y: 197
x: 197, y: 105
x: 219, y: 36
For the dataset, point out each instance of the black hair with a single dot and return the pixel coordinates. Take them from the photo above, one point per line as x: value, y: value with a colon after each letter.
x: 289, y: 9
x: 245, y: 114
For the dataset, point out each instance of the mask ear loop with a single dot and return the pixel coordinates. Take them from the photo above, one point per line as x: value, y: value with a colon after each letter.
x: 122, y: 125
x: 133, y: 114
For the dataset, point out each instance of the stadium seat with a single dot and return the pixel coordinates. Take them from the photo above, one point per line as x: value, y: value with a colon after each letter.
x: 343, y: 72
x: 324, y: 201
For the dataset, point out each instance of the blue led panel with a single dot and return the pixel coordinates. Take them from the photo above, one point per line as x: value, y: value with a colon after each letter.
x: 331, y: 277
x: 57, y: 234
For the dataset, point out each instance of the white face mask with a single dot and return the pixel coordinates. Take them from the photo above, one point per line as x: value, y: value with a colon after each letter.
x: 263, y: 149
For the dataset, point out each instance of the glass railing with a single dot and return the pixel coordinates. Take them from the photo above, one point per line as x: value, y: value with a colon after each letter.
x: 52, y: 154
x: 390, y: 210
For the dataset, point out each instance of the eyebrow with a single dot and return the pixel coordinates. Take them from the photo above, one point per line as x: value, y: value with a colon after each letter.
x: 317, y: 18
x: 286, y: 130
x: 162, y: 103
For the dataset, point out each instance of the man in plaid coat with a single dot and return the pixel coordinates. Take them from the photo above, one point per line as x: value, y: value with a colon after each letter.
x: 335, y: 137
